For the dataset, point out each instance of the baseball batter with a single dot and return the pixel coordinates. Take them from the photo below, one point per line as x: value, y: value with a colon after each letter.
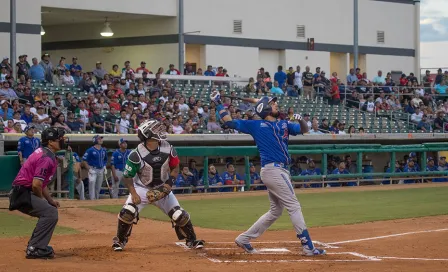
x: 95, y: 160
x: 271, y: 137
x: 118, y: 161
x: 149, y: 174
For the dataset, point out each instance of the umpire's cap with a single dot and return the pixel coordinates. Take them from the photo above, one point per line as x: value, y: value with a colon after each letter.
x: 52, y: 134
x: 262, y: 108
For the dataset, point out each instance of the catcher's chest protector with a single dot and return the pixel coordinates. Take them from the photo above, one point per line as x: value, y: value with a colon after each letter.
x: 155, y: 169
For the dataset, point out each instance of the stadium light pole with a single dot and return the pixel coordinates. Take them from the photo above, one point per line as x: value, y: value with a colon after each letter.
x: 12, y: 35
x: 355, y: 34
x: 181, y: 35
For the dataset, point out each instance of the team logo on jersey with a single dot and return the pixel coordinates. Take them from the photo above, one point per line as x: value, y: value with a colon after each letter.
x: 260, y: 108
x: 119, y: 157
x: 263, y: 125
x: 284, y: 125
x: 156, y: 159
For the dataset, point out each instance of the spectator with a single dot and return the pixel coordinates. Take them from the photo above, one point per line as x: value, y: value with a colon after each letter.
x: 7, y: 92
x: 173, y: 71
x: 440, y: 120
x: 230, y: 177
x: 417, y: 116
x: 431, y: 167
x: 324, y: 126
x: 341, y: 128
x: 311, y: 171
x: 280, y: 76
x: 36, y: 72
x: 212, y: 125
x: 424, y: 125
x: 254, y: 177
x: 410, y: 108
x: 75, y: 124
x: 380, y: 79
x: 5, y: 111
x: 220, y: 72
x: 335, y: 94
x: 389, y: 170
x: 122, y: 124
x: 27, y: 116
x: 74, y: 67
x: 199, y: 72
x: 370, y: 105
x: 317, y: 74
x: 276, y: 89
x: 39, y: 127
x: 295, y: 169
x: 403, y: 80
x: 177, y: 129
x: 99, y: 72
x: 441, y: 87
x: 97, y: 121
x: 308, y: 80
x: 9, y: 127
x: 17, y: 127
x: 351, y: 77
x: 48, y: 67
x: 60, y: 123
x: 298, y: 80
x: 334, y: 129
x: 189, y: 71
x: 315, y: 130
x: 185, y: 178
x: 358, y: 74
x: 209, y: 71
x: 351, y: 130
x: 67, y: 78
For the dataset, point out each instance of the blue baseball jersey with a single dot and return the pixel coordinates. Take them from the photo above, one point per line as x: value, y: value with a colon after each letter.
x: 119, y: 159
x: 27, y: 145
x: 312, y: 172
x: 338, y: 172
x: 181, y: 181
x: 408, y: 169
x: 76, y: 156
x: 212, y: 179
x: 389, y: 170
x: 227, y: 176
x: 271, y: 138
x: 96, y: 158
x: 254, y: 177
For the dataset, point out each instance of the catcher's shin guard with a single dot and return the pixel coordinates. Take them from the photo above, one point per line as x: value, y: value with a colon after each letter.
x: 126, y: 219
x: 182, y: 224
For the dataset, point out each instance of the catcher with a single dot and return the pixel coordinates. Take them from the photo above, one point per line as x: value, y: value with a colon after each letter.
x: 149, y: 174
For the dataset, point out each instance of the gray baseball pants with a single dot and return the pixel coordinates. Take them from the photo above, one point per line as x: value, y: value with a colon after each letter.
x: 96, y: 178
x: 281, y: 196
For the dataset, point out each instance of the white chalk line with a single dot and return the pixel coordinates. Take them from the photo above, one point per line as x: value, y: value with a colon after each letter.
x: 324, y: 245
x: 385, y: 236
x: 409, y: 259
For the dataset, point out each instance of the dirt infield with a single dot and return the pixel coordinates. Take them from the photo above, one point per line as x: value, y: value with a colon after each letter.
x: 399, y: 245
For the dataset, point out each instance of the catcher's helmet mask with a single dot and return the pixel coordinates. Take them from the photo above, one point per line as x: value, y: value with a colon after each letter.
x: 151, y: 129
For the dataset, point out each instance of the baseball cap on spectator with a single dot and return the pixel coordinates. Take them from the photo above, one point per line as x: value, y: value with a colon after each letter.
x: 5, y: 58
x: 324, y: 119
x: 3, y: 102
x: 74, y: 58
x: 122, y: 140
x: 228, y: 164
x: 443, y: 158
x: 98, y: 62
x: 309, y: 160
x: 142, y: 62
x: 28, y: 128
x: 62, y: 58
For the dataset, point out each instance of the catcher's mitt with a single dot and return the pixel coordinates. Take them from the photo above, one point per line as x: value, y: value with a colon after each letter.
x: 159, y: 193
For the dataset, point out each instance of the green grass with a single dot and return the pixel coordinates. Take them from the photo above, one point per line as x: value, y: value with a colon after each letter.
x: 16, y: 225
x: 321, y: 209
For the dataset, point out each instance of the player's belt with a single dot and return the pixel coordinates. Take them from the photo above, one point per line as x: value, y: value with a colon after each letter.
x: 97, y: 168
x: 278, y: 165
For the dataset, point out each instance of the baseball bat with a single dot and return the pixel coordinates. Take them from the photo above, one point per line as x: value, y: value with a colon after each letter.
x: 107, y: 182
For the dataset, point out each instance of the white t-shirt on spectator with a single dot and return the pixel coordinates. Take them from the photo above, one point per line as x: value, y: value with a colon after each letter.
x: 183, y: 107
x: 103, y: 87
x: 33, y: 110
x: 370, y: 106
x: 68, y: 80
x: 379, y: 99
x: 298, y: 80
x: 42, y: 117
x: 421, y: 92
x: 164, y: 99
x: 342, y: 132
x: 84, y: 116
x: 122, y: 125
x: 416, y: 117
x: 200, y: 110
x: 139, y: 92
x: 178, y: 129
x: 144, y: 105
x: 417, y: 101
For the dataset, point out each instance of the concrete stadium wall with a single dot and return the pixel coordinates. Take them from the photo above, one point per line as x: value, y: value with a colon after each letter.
x: 242, y: 61
x: 387, y: 64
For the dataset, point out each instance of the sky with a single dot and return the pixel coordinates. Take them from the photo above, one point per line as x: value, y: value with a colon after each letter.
x: 434, y: 33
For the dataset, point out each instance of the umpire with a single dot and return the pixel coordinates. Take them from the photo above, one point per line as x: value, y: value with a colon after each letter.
x: 27, y: 144
x: 30, y: 194
x: 94, y: 160
x: 118, y: 162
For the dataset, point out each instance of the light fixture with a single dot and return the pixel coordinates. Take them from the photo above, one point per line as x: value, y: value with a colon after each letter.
x: 107, y: 31
x: 42, y: 30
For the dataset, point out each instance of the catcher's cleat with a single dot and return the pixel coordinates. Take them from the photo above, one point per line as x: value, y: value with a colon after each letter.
x: 38, y: 253
x: 247, y: 247
x: 117, y: 245
x: 313, y: 252
x: 196, y: 244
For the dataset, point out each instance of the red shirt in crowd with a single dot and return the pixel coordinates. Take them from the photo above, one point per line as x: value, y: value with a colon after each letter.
x: 220, y: 74
x: 403, y: 81
x: 335, y: 94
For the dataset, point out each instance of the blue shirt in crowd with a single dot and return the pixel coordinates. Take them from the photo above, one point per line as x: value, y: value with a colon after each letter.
x: 312, y: 172
x: 27, y: 145
x: 280, y: 76
x: 37, y: 72
x: 181, y: 181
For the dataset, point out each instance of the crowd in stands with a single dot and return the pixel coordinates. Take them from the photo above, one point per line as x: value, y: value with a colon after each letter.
x: 117, y: 101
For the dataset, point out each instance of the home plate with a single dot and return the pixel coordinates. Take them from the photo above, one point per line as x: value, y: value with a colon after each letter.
x: 276, y: 250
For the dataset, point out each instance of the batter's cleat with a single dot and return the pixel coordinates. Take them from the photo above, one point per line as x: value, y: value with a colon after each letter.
x: 247, y: 247
x: 313, y: 252
x: 38, y: 253
x: 117, y: 245
x: 197, y: 244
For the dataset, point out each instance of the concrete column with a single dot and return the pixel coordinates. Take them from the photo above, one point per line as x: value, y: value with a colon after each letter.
x: 417, y: 39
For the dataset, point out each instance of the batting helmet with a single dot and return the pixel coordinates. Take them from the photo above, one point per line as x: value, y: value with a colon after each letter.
x: 96, y: 138
x: 262, y: 108
x: 151, y: 129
